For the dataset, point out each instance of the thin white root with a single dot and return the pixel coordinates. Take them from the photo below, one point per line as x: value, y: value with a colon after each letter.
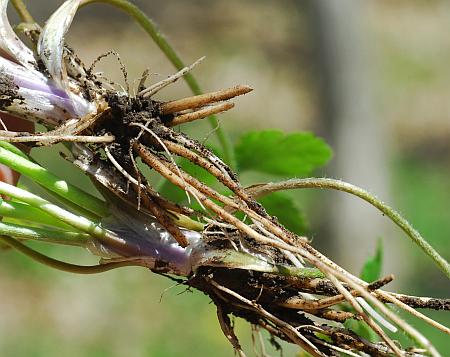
x: 120, y: 168
x: 52, y: 139
x: 155, y: 88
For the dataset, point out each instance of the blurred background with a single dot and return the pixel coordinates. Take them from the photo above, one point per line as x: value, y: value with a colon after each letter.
x: 370, y: 77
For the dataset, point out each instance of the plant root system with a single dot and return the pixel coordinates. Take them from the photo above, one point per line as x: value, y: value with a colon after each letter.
x: 283, y: 285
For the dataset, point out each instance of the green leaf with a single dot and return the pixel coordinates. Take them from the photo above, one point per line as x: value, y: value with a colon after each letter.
x: 273, y: 152
x: 371, y: 270
x: 284, y: 208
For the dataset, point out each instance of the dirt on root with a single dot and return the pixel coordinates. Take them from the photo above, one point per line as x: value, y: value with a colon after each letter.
x: 9, y: 91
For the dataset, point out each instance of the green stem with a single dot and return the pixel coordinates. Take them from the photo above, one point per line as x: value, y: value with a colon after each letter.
x: 22, y: 11
x: 79, y: 222
x: 52, y: 182
x: 44, y: 234
x: 23, y: 212
x: 326, y: 183
x: 153, y: 31
x: 80, y: 209
x: 14, y: 149
x: 75, y: 207
x: 57, y: 264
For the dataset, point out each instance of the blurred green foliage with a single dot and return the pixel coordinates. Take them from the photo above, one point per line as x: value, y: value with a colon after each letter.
x: 422, y: 191
x: 283, y: 207
x: 371, y: 270
x: 276, y: 153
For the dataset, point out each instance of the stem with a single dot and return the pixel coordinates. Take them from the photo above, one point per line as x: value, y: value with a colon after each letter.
x: 22, y: 11
x: 53, y: 183
x: 13, y: 148
x: 44, y: 234
x: 79, y: 222
x: 20, y: 211
x: 261, y: 190
x: 57, y: 264
x: 80, y: 209
x: 74, y: 207
x: 153, y: 31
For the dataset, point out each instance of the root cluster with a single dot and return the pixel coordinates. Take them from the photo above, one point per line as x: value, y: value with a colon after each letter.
x: 286, y: 306
x: 304, y: 299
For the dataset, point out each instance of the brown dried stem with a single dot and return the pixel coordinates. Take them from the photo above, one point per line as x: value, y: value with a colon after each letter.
x: 404, y: 301
x: 160, y: 166
x: 336, y: 315
x: 167, y: 222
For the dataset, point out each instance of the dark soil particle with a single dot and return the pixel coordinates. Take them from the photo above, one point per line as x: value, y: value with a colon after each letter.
x: 427, y: 303
x: 254, y: 286
x: 260, y: 288
x: 123, y: 111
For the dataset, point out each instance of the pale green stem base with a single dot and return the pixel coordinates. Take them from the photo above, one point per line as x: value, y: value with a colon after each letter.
x: 78, y: 222
x: 45, y: 234
x: 46, y: 179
